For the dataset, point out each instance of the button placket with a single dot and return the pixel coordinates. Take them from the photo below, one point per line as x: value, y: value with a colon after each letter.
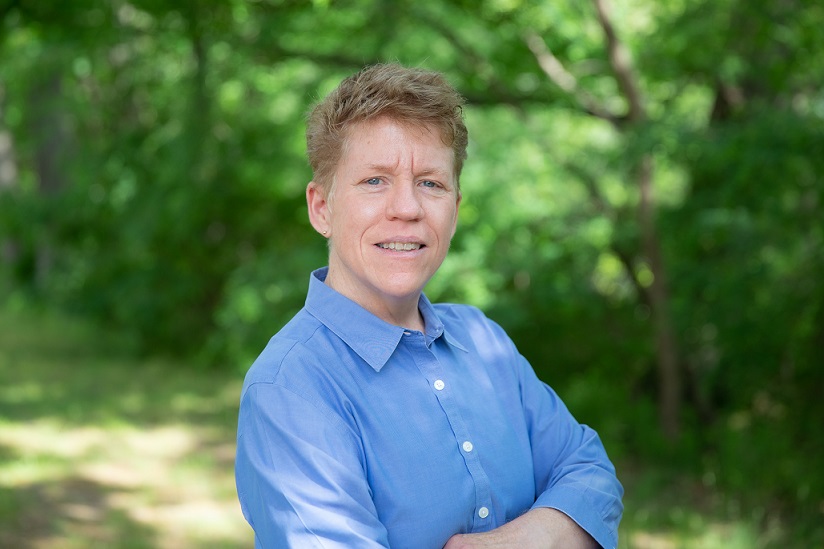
x: 430, y: 368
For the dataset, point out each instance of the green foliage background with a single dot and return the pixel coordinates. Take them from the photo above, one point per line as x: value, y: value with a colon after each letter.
x: 152, y: 178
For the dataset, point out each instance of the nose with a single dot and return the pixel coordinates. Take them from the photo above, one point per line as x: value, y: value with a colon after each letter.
x: 404, y: 202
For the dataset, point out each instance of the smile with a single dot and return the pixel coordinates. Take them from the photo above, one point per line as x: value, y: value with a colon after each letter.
x: 400, y: 246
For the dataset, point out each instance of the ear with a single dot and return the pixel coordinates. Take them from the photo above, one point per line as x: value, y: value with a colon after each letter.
x: 318, y: 205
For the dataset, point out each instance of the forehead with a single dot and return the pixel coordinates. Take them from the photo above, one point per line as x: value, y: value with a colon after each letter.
x: 386, y: 139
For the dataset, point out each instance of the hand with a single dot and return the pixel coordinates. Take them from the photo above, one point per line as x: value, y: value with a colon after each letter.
x: 541, y: 528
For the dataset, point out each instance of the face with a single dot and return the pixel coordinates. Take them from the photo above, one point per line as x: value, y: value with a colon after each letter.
x: 391, y: 214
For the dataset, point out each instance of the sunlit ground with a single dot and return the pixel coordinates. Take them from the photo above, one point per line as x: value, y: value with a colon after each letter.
x: 663, y: 512
x: 117, y: 487
x: 101, y: 450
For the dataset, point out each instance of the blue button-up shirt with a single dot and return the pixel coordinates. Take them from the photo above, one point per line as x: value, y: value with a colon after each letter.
x: 355, y: 433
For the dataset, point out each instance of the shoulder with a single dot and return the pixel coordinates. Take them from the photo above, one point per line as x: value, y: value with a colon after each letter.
x: 471, y: 325
x: 291, y: 383
x: 285, y: 350
x: 452, y: 314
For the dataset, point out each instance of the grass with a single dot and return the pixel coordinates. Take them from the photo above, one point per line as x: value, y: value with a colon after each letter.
x: 666, y: 509
x: 100, y: 449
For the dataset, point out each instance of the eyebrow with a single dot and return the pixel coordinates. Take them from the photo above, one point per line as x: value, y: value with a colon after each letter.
x: 424, y: 172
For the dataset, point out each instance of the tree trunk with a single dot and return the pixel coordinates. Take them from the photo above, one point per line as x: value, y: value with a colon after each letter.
x: 8, y: 180
x: 666, y: 348
x: 49, y: 135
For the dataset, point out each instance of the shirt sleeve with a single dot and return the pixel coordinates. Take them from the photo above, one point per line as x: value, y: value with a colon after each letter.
x: 572, y: 471
x: 299, y: 475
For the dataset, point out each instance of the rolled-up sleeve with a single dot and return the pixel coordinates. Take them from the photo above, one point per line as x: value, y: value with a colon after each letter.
x: 572, y: 471
x: 300, y: 476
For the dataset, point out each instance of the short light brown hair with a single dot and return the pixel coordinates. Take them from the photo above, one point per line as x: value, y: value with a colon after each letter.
x: 414, y: 96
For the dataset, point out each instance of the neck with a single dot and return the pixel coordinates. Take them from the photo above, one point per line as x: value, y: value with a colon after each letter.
x: 401, y: 311
x: 409, y: 319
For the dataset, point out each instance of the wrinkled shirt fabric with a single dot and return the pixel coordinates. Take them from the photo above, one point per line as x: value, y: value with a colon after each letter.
x: 355, y: 433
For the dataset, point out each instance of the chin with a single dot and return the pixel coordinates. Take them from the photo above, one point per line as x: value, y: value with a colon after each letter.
x: 403, y: 290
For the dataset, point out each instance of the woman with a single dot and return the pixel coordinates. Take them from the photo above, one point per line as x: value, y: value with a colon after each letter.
x: 377, y: 419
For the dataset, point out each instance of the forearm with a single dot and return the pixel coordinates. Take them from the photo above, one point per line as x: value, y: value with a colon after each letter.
x: 540, y: 528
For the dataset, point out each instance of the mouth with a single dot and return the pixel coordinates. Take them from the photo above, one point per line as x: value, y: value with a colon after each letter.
x: 400, y: 246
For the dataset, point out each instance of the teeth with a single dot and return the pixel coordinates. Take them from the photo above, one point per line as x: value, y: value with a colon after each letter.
x: 399, y: 246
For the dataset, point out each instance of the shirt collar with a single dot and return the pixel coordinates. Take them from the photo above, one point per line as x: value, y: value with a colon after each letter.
x: 373, y: 339
x: 434, y: 326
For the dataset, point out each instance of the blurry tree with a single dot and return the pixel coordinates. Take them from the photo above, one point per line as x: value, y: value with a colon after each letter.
x: 8, y: 177
x: 642, y: 205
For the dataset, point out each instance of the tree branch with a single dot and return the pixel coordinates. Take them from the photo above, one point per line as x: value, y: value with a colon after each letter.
x: 497, y: 89
x: 621, y: 63
x: 275, y: 52
x: 591, y: 186
x: 565, y: 80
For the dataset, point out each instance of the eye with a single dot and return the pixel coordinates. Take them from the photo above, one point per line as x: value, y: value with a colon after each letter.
x: 373, y: 181
x: 430, y: 184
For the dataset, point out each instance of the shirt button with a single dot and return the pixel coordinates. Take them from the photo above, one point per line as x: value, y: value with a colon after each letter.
x: 483, y: 512
x: 439, y: 384
x: 467, y: 446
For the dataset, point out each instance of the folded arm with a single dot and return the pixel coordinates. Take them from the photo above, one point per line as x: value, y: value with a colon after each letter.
x: 573, y: 473
x: 578, y: 495
x: 541, y: 528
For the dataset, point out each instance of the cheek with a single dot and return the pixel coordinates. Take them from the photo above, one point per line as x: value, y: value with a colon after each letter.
x: 361, y: 217
x: 450, y: 223
x: 351, y: 224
